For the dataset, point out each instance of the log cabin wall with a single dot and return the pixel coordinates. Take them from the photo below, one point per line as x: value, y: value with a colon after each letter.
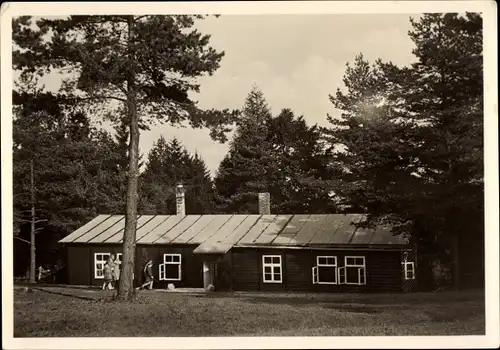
x: 383, y: 270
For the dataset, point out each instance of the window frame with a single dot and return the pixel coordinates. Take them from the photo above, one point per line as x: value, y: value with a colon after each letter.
x: 272, y: 265
x: 412, y: 270
x: 361, y: 269
x: 342, y: 274
x: 314, y: 275
x: 163, y: 267
x: 96, y: 276
x: 333, y: 266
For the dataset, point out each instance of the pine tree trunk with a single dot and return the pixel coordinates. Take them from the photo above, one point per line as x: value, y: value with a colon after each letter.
x: 126, y: 288
x: 32, y: 234
x: 456, y: 262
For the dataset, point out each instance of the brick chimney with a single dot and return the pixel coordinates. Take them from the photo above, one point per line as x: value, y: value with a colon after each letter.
x: 264, y: 203
x: 180, y: 200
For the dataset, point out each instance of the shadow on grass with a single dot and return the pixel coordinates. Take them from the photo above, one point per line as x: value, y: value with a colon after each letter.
x: 369, y: 299
x: 355, y: 308
x: 305, y: 302
x: 87, y: 298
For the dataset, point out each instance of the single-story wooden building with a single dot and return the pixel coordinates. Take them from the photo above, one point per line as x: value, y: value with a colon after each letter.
x: 264, y: 252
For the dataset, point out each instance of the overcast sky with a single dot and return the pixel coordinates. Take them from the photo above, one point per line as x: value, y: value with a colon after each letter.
x: 296, y: 60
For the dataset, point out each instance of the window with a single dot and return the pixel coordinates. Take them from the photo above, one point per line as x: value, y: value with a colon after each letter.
x: 325, y: 271
x: 170, y: 270
x: 354, y: 271
x: 271, y: 266
x: 409, y: 270
x: 315, y: 274
x: 99, y: 261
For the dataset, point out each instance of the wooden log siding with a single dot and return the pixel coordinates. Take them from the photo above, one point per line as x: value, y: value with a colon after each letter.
x: 410, y: 255
x: 237, y: 244
x: 224, y: 274
x: 99, y: 249
x: 191, y: 264
x: 241, y: 268
x: 79, y: 269
x: 246, y: 269
x: 383, y: 270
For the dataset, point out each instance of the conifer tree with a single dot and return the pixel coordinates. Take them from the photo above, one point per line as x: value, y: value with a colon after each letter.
x: 146, y: 64
x: 168, y: 165
x: 248, y: 167
x: 281, y: 155
x: 200, y: 193
x: 411, y: 139
x: 74, y: 167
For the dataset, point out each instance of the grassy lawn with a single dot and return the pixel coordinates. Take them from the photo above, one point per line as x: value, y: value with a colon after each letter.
x: 155, y: 313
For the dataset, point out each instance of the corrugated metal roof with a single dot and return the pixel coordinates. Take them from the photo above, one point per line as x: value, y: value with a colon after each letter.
x: 160, y: 230
x: 291, y: 229
x: 84, y: 229
x: 178, y: 229
x: 273, y: 229
x: 102, y: 228
x: 192, y: 231
x: 142, y: 223
x: 219, y: 233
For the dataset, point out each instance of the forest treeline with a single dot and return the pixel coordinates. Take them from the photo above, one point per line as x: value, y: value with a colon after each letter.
x: 406, y: 148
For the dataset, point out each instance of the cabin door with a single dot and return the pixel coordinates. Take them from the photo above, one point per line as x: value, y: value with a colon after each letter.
x: 209, y: 268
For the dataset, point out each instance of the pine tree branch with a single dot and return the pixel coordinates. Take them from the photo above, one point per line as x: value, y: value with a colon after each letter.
x: 23, y: 240
x: 98, y: 97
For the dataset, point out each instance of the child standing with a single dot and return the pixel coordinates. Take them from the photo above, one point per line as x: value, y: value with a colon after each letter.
x: 116, y: 272
x: 108, y: 275
x: 148, y: 276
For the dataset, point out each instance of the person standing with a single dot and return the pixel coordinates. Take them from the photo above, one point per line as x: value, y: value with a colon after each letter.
x: 148, y: 275
x: 41, y: 272
x: 112, y: 266
x: 108, y: 275
x: 116, y: 272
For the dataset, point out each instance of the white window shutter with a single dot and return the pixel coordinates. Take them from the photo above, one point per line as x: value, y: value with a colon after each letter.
x: 315, y: 275
x: 362, y: 275
x: 162, y: 271
x: 342, y: 275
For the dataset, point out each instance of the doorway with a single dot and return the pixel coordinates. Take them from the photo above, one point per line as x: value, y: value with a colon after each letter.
x: 209, y: 272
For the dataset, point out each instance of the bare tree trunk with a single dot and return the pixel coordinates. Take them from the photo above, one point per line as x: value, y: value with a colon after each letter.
x: 456, y: 262
x: 32, y: 234
x: 126, y: 287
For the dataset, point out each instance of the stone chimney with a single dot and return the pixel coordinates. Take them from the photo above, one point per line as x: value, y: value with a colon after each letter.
x: 264, y: 203
x: 180, y: 200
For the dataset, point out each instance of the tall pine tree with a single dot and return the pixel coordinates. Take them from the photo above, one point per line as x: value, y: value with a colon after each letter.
x: 281, y: 155
x: 301, y: 182
x: 249, y: 166
x: 74, y: 167
x: 411, y: 139
x: 147, y: 64
x: 168, y: 165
